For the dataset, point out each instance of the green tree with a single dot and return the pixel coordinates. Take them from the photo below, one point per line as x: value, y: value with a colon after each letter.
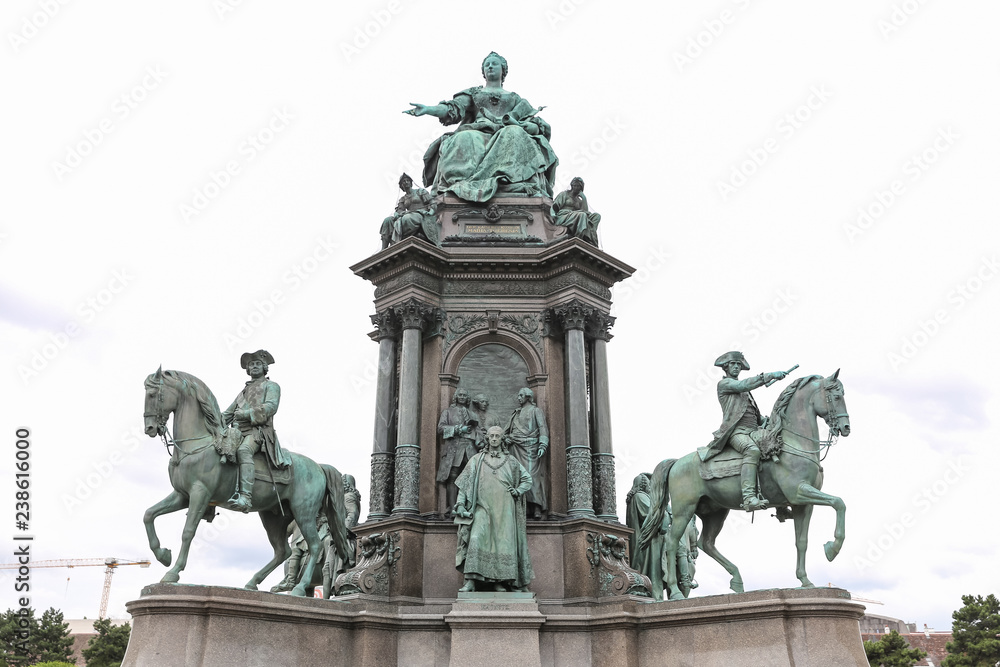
x: 52, y: 641
x: 974, y: 633
x: 17, y: 648
x: 893, y: 651
x: 56, y: 663
x: 107, y: 649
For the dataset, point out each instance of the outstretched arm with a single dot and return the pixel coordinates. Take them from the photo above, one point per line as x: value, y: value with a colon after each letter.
x: 437, y: 110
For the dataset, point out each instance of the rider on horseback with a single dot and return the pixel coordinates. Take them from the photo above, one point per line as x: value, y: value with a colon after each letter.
x: 253, y: 413
x: 742, y: 423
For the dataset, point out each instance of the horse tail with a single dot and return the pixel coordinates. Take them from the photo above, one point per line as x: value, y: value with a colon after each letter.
x: 659, y: 496
x: 336, y: 514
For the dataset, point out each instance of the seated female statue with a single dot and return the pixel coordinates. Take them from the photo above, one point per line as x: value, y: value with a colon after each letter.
x: 500, y: 146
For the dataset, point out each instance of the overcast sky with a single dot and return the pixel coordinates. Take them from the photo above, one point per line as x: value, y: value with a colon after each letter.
x: 814, y: 185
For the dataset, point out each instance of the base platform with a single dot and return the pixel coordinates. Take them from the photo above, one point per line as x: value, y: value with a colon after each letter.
x: 187, y: 626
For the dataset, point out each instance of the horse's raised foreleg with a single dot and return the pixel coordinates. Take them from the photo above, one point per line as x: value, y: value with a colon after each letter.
x: 711, y: 526
x: 801, y: 514
x: 809, y: 495
x: 276, y: 526
x: 198, y: 499
x: 172, y: 503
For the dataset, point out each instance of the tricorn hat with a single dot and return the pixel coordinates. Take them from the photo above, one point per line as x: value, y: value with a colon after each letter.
x: 728, y: 357
x: 259, y: 355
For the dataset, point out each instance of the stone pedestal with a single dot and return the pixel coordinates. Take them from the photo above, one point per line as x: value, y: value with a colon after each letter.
x: 210, y: 626
x: 485, y: 626
x: 579, y: 560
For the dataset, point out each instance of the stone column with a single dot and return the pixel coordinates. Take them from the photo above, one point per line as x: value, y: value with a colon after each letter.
x: 605, y: 503
x: 579, y: 485
x: 412, y: 316
x: 380, y: 503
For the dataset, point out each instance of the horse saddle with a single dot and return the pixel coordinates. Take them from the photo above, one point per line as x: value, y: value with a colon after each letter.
x: 261, y: 472
x: 726, y: 463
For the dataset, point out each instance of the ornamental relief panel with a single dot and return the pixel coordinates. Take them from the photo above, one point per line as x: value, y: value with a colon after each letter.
x: 526, y: 325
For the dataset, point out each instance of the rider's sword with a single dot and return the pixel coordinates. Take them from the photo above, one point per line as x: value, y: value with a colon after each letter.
x: 788, y: 372
x: 267, y: 460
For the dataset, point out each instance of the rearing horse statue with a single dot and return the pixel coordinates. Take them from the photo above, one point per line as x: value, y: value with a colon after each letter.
x: 201, y: 481
x: 793, y: 481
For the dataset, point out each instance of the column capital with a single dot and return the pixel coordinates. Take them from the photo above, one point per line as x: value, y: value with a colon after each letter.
x: 386, y: 323
x: 599, y: 326
x: 572, y: 315
x: 416, y: 314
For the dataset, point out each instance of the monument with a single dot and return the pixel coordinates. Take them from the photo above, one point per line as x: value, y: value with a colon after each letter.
x: 492, y: 526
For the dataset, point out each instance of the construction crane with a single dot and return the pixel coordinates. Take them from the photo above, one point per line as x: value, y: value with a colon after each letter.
x: 109, y: 569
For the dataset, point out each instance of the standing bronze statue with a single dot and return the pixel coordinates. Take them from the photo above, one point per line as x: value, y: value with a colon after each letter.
x: 415, y: 214
x: 500, y: 146
x: 570, y: 210
x: 528, y: 437
x: 252, y: 412
x: 334, y: 564
x: 457, y: 428
x: 481, y: 406
x: 636, y: 511
x: 493, y: 534
x: 687, y: 554
x: 300, y: 551
x: 742, y: 423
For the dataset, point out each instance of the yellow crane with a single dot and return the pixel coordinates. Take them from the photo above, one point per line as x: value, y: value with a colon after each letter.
x: 109, y: 569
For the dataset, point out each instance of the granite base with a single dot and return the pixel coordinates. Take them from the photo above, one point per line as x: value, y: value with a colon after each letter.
x: 190, y: 626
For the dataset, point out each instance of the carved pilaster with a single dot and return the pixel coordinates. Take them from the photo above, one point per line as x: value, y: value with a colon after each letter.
x: 572, y: 317
x: 407, y: 479
x: 605, y: 503
x: 579, y: 484
x: 380, y: 502
x: 608, y: 564
x: 377, y: 558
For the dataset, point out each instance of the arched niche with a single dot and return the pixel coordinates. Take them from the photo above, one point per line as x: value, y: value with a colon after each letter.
x: 497, y: 364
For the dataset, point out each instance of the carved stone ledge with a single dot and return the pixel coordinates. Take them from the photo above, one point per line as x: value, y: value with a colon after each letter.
x: 493, y: 214
x: 377, y: 558
x: 608, y: 563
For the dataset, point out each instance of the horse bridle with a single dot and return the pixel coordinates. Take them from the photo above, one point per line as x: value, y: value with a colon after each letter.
x: 831, y: 440
x: 161, y: 421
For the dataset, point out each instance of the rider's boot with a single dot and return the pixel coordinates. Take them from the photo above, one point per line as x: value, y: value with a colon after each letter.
x: 748, y: 484
x: 243, y: 500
